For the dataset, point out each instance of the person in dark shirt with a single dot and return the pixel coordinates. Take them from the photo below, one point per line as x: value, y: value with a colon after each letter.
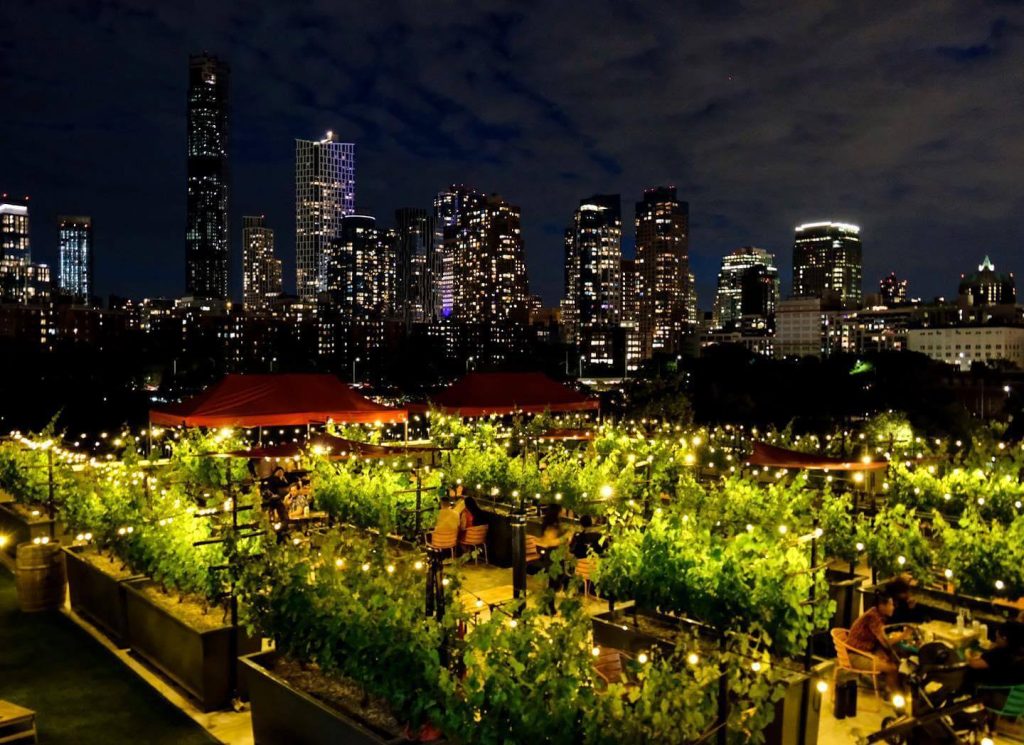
x: 906, y: 610
x: 1003, y: 663
x: 585, y: 541
x: 277, y: 483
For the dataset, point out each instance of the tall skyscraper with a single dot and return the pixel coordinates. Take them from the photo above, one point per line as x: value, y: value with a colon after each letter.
x: 827, y: 263
x: 593, y: 292
x: 206, y: 237
x: 325, y: 192
x: 893, y: 290
x: 987, y: 286
x: 76, y: 256
x: 20, y: 280
x: 14, y: 239
x: 449, y: 207
x: 261, y: 271
x: 748, y: 290
x: 360, y: 268
x: 489, y: 278
x: 662, y: 260
x: 417, y: 266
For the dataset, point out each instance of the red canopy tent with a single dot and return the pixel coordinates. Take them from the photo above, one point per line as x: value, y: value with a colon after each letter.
x: 483, y: 394
x: 275, y: 400
x: 776, y: 457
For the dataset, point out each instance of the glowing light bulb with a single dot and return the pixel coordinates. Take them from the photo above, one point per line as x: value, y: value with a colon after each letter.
x: 899, y: 701
x: 596, y: 651
x: 642, y: 658
x: 692, y: 658
x: 755, y: 666
x: 366, y: 567
x: 822, y: 686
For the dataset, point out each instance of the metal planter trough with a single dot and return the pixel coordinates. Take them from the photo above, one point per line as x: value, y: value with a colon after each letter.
x: 97, y: 596
x: 285, y: 715
x: 198, y: 660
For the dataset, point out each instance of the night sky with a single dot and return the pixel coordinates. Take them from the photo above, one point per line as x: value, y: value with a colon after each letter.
x: 906, y: 118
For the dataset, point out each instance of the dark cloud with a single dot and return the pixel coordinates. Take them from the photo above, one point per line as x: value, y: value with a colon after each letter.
x: 902, y: 117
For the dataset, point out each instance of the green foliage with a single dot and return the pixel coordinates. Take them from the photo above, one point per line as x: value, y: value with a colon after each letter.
x: 979, y: 553
x: 743, y: 582
x: 895, y: 543
x: 322, y: 606
x: 371, y: 494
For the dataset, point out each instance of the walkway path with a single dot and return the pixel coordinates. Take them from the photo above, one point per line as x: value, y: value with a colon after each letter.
x: 81, y: 694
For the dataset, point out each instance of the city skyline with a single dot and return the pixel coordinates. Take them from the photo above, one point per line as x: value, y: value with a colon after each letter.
x: 516, y: 143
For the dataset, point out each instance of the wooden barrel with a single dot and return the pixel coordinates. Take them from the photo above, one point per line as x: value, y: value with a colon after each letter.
x: 40, y: 576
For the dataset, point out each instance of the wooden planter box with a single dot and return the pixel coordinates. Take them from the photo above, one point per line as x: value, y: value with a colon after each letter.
x: 615, y: 629
x: 98, y: 597
x: 283, y: 715
x: 22, y: 528
x: 197, y: 660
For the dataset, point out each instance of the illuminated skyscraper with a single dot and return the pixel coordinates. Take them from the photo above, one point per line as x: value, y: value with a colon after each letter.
x: 20, y: 280
x: 76, y: 256
x: 593, y: 293
x: 417, y: 266
x: 827, y: 263
x: 360, y: 268
x: 449, y: 207
x: 206, y: 237
x: 988, y: 287
x: 14, y: 239
x: 893, y: 290
x: 261, y: 271
x: 324, y: 194
x: 489, y: 277
x: 748, y: 290
x: 662, y: 260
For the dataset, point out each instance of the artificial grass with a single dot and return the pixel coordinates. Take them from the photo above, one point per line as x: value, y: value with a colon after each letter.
x: 81, y: 694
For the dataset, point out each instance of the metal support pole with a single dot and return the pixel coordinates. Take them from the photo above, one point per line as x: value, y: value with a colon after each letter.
x: 518, y: 523
x: 419, y: 502
x: 51, y: 508
x: 808, y: 652
x: 722, y: 736
x: 435, y: 582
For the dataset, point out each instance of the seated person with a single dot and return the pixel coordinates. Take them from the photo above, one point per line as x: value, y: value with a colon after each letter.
x: 1002, y: 665
x: 275, y: 506
x: 278, y: 482
x: 586, y: 541
x: 551, y: 526
x: 868, y: 635
x: 296, y: 501
x: 471, y: 514
x: 447, y: 516
x: 906, y: 611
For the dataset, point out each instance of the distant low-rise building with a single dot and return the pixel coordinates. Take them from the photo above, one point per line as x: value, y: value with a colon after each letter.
x: 963, y: 345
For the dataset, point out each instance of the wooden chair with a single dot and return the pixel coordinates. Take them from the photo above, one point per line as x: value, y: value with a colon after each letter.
x: 608, y: 665
x: 475, y: 537
x: 844, y: 665
x: 584, y: 570
x: 445, y: 540
x: 532, y: 553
